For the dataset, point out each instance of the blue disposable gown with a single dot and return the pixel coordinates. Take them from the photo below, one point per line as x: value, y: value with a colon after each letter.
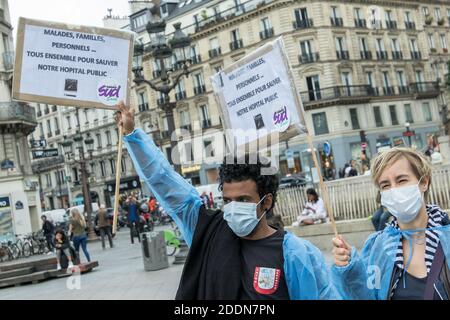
x: 307, y: 276
x: 368, y: 276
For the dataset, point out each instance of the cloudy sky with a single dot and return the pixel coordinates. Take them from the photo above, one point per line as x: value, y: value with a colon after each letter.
x: 87, y: 12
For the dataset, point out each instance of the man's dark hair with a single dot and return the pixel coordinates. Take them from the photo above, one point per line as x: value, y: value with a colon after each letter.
x: 313, y: 192
x: 246, y: 168
x: 43, y: 216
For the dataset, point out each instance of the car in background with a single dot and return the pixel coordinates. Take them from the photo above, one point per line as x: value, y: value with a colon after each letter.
x: 293, y: 181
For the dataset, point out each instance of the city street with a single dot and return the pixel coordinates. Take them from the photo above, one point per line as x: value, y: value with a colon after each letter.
x: 120, y: 275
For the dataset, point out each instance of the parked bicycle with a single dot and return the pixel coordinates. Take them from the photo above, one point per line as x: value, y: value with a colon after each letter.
x: 172, y: 239
x: 9, y: 251
x: 34, y: 243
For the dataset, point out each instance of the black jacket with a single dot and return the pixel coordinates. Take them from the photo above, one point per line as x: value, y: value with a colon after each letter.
x: 213, y: 267
x: 48, y: 228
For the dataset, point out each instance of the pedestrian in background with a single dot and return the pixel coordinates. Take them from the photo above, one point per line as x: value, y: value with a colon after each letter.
x: 131, y: 207
x: 62, y: 245
x: 77, y: 227
x: 48, y: 229
x: 104, y: 226
x: 314, y: 210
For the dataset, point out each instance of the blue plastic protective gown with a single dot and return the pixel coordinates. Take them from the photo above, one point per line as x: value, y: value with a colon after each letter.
x: 307, y: 275
x: 368, y: 276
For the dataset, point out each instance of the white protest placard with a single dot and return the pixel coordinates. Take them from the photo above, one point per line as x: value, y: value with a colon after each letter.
x: 69, y: 65
x: 257, y: 93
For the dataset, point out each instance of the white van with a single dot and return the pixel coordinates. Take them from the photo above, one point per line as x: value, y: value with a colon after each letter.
x: 57, y: 216
x: 81, y: 209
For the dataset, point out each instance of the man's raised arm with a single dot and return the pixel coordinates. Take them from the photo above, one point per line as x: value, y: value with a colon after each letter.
x: 174, y: 193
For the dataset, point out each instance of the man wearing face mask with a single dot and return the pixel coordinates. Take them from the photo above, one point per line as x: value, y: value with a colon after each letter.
x: 409, y: 259
x: 233, y: 254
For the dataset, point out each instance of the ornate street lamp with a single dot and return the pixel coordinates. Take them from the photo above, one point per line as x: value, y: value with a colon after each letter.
x: 162, y: 51
x: 89, y: 141
x: 67, y: 146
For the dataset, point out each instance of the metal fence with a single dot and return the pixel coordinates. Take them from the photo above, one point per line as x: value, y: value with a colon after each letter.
x: 355, y: 198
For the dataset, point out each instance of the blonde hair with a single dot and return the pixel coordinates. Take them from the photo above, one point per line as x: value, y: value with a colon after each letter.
x: 78, y: 217
x: 420, y: 165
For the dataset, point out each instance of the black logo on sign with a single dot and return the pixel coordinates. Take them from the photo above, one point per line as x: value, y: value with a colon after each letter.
x: 71, y: 87
x: 259, y: 121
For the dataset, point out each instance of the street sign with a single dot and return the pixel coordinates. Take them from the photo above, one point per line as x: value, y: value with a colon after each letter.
x: 45, y: 153
x: 38, y: 143
x: 409, y: 133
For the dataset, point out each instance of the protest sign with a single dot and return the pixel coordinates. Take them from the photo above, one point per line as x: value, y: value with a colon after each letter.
x: 80, y: 66
x: 258, y: 94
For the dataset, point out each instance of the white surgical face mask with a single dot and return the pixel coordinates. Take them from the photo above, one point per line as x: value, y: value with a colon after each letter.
x: 242, y: 217
x: 404, y: 203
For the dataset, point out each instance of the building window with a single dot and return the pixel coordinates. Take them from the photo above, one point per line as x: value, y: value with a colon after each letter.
x: 393, y: 112
x: 102, y: 168
x: 140, y: 21
x: 377, y: 115
x: 408, y: 113
x: 123, y: 164
x: 354, y: 118
x: 143, y: 102
x: 41, y: 129
x: 56, y: 125
x: 184, y: 119
x: 437, y: 13
x: 112, y: 164
x: 320, y: 123
x: 266, y: 29
x: 92, y: 164
x: 431, y: 41
x: 208, y: 149
x: 443, y: 39
x: 206, y: 122
x: 99, y: 140
x: 427, y: 111
x: 313, y: 88
x: 75, y: 174
x: 108, y: 138
x: 49, y: 128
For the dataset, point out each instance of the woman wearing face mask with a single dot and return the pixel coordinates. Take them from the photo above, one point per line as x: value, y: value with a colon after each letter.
x: 409, y: 259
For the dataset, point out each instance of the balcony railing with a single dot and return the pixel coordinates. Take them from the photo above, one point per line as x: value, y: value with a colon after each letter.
x: 187, y: 127
x: 302, y: 24
x: 8, y: 60
x: 342, y: 55
x: 162, y: 101
x: 308, y: 58
x: 410, y: 25
x: 156, y: 73
x: 416, y: 55
x: 265, y: 34
x: 391, y: 24
x: 199, y: 90
x: 382, y: 55
x: 206, y: 123
x: 388, y: 91
x: 165, y: 134
x: 337, y: 22
x: 403, y: 89
x: 143, y: 107
x: 213, y: 53
x: 360, y: 23
x: 366, y: 55
x: 337, y: 92
x: 196, y: 59
x: 376, y: 24
x: 425, y: 89
x: 397, y: 55
x: 180, y: 95
x: 235, y: 45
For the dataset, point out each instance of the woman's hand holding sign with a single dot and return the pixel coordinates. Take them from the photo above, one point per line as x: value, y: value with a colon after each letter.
x: 341, y: 251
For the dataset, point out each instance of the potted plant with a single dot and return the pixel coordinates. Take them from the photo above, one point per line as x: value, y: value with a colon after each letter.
x: 433, y: 50
x: 441, y: 21
x: 428, y: 19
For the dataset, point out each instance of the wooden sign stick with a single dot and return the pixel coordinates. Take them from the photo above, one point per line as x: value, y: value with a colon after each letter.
x: 117, y: 191
x: 323, y: 187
